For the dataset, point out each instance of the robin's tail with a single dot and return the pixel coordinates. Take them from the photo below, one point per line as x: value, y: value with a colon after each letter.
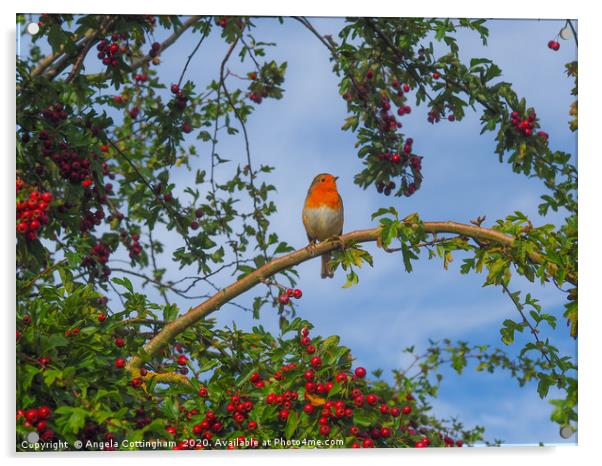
x: 326, y: 272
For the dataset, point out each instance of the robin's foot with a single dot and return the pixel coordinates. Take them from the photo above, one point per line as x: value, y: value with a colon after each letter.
x: 311, y: 247
x: 337, y: 239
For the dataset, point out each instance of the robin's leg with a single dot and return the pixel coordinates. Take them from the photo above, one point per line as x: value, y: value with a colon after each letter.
x: 311, y: 247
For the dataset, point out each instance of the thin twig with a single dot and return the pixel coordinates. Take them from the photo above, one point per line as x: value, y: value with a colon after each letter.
x: 207, y: 29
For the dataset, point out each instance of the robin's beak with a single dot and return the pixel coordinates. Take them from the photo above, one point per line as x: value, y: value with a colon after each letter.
x: 336, y: 178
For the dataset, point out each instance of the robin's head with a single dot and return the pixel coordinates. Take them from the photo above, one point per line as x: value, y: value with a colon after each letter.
x: 325, y: 181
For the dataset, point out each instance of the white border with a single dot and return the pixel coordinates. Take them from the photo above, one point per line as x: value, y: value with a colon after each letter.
x: 590, y: 264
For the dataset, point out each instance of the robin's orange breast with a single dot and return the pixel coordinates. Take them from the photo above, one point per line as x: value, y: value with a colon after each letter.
x: 323, y: 222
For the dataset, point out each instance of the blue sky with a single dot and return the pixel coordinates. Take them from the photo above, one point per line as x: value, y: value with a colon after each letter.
x: 391, y: 309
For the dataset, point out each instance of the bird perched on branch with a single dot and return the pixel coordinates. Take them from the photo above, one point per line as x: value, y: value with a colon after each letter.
x: 323, y: 214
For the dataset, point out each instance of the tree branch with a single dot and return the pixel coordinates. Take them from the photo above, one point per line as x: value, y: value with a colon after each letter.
x: 214, y: 303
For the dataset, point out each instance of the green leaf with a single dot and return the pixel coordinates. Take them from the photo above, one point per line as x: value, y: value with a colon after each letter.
x: 291, y: 424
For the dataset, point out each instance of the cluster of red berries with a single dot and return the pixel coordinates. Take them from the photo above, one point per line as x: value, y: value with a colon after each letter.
x: 386, y: 188
x: 155, y: 49
x: 32, y: 213
x: 141, y: 78
x: 96, y: 261
x: 257, y: 97
x: 387, y: 121
x: 181, y: 98
x: 132, y: 242
x: 100, y: 252
x: 209, y: 425
x: 285, y: 297
x: 110, y: 52
x: 91, y: 219
x: 74, y: 167
x: 435, y: 114
x: 525, y: 125
x: 256, y: 380
x: 37, y: 418
x: 285, y: 400
x: 240, y: 409
x: 142, y: 418
x: 72, y: 332
x: 55, y: 113
x: 554, y: 45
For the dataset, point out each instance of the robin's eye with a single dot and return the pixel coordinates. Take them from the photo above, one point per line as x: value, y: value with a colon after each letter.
x: 323, y: 179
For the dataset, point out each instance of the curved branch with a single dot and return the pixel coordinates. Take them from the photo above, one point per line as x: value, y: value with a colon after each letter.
x: 214, y: 303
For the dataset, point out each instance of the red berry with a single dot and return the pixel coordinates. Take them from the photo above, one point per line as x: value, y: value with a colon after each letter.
x: 553, y: 45
x: 324, y: 430
x: 283, y: 299
x: 119, y: 342
x: 297, y: 293
x: 316, y: 362
x: 40, y: 426
x: 44, y: 412
x: 194, y: 225
x: 368, y: 443
x: 252, y: 425
x: 136, y: 382
x: 102, y: 317
x: 436, y: 75
x: 22, y: 227
x: 406, y: 88
x: 360, y: 372
x: 182, y: 360
x: 255, y: 377
x: 395, y: 411
x: 384, y: 409
x: 311, y: 349
x: 371, y: 398
x: 119, y: 363
x: 305, y: 341
x: 283, y: 414
x: 203, y: 392
x: 47, y: 197
x: 308, y: 408
x: 309, y: 375
x: 175, y: 88
x: 32, y: 415
x: 406, y: 409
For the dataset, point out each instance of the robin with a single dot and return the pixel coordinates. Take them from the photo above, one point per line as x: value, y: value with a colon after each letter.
x: 323, y: 214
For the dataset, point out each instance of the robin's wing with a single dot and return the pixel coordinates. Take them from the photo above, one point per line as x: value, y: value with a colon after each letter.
x: 305, y: 221
x: 342, y: 214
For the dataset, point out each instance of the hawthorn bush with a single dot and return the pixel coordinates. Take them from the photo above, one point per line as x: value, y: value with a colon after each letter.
x: 99, y: 134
